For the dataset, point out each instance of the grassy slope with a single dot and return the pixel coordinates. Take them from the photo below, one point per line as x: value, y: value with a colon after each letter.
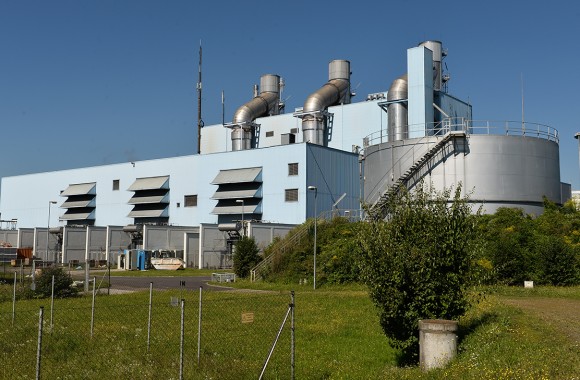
x: 337, y: 337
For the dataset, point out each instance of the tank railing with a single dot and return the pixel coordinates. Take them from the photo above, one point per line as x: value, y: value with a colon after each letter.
x: 513, y: 128
x: 477, y: 127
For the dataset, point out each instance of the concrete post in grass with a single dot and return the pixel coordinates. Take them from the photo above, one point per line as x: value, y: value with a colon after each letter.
x: 437, y: 343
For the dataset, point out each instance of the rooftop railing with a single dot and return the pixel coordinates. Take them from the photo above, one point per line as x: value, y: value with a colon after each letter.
x: 474, y: 127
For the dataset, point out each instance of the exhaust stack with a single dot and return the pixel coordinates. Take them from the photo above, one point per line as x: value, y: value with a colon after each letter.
x: 397, y: 112
x: 437, y: 48
x: 264, y: 103
x: 335, y: 91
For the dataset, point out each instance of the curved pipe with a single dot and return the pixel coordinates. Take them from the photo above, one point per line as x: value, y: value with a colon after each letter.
x: 264, y: 104
x: 397, y: 114
x: 329, y: 94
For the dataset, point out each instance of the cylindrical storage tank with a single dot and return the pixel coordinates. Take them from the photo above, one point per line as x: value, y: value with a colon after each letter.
x: 397, y: 113
x: 437, y: 48
x: 495, y: 170
x: 437, y: 343
x: 340, y: 69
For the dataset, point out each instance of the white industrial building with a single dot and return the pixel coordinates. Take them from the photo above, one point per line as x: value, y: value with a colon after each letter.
x: 259, y: 168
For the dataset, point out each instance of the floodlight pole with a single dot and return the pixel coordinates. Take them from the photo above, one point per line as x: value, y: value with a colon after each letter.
x: 48, y: 229
x: 315, y: 189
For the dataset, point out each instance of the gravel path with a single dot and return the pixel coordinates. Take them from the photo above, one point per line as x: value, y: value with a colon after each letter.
x: 561, y: 313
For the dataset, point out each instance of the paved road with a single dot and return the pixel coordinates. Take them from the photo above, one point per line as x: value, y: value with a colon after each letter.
x: 140, y: 283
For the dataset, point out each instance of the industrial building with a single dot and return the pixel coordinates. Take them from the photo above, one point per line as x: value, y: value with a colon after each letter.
x: 269, y: 169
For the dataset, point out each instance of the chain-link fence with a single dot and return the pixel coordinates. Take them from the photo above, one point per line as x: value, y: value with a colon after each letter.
x: 170, y: 334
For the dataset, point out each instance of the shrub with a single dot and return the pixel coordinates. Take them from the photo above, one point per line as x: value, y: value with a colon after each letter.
x: 62, y: 284
x: 417, y: 264
x: 246, y: 256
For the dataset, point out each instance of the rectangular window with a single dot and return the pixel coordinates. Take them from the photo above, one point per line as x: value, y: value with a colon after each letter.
x: 291, y: 195
x: 190, y: 201
x: 115, y: 184
x: 293, y: 168
x: 270, y: 134
x: 294, y: 130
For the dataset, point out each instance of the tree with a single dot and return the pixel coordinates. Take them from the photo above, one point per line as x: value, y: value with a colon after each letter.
x: 246, y: 256
x: 62, y: 284
x: 417, y: 263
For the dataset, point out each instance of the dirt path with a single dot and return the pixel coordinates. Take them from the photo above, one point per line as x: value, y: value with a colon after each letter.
x: 561, y: 313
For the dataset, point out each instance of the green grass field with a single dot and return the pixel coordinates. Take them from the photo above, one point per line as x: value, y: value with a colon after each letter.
x: 337, y: 337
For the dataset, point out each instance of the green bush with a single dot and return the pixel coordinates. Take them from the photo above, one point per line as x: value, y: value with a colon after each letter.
x: 62, y: 284
x: 558, y: 261
x: 417, y: 264
x: 246, y: 256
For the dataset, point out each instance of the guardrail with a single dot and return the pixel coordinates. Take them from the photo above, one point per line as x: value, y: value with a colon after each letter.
x: 476, y: 127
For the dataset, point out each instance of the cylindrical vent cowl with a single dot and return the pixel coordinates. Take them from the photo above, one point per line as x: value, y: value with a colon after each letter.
x: 270, y: 83
x: 339, y: 69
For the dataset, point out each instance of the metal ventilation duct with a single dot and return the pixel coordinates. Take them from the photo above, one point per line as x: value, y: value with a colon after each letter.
x: 437, y: 48
x: 266, y: 103
x: 335, y: 91
x: 397, y: 113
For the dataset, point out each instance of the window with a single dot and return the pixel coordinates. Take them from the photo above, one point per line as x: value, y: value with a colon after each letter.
x: 115, y: 184
x: 291, y: 195
x: 293, y: 168
x: 270, y: 134
x: 294, y: 130
x: 190, y: 201
x: 178, y: 204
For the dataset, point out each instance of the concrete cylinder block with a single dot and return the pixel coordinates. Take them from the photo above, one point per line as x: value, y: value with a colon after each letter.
x: 437, y: 343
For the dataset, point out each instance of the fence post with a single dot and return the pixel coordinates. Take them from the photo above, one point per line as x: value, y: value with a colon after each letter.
x: 93, y: 307
x: 149, y: 320
x: 86, y: 275
x: 181, y: 339
x: 51, y: 300
x: 14, y: 300
x: 39, y: 345
x: 292, y: 343
x: 199, y: 326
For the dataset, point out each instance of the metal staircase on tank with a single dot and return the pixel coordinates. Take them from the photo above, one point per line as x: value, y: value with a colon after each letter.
x: 378, y: 210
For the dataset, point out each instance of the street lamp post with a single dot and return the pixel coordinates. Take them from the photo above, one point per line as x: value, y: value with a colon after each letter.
x: 577, y: 137
x: 315, y: 189
x: 243, y: 227
x: 48, y: 229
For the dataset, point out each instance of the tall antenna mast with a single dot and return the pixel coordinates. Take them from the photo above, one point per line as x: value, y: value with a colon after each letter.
x: 523, y: 120
x: 199, y: 119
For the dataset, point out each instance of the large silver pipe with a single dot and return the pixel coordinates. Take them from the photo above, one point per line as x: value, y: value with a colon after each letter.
x: 397, y: 113
x: 335, y: 91
x: 266, y: 103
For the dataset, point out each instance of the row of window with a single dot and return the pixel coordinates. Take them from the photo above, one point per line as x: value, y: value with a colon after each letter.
x: 291, y: 195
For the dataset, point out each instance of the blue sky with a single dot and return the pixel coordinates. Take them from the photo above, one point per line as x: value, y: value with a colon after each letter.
x: 85, y: 83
